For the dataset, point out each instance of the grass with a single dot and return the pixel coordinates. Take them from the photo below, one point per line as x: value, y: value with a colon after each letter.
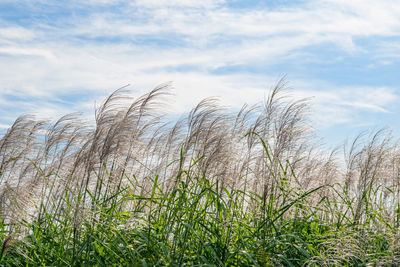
x: 213, y: 189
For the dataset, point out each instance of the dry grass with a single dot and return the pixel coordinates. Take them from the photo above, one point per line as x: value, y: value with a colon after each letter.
x: 264, y: 160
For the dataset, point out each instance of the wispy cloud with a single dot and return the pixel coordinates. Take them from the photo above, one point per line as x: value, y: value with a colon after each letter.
x: 18, y: 51
x: 16, y: 33
x: 206, y: 48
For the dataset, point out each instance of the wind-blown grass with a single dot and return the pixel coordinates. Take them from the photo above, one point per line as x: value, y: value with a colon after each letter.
x: 212, y: 189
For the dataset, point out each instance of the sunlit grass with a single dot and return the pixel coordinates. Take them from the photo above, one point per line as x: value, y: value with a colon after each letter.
x: 214, y: 189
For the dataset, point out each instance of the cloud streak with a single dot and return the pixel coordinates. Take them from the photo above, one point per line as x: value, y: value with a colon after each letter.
x: 206, y: 48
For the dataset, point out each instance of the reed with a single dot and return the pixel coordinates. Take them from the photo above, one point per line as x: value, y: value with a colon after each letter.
x: 251, y: 188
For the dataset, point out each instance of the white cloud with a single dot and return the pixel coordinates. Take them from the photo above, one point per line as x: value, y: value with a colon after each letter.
x: 16, y: 33
x: 177, y: 3
x: 45, y: 59
x: 337, y: 105
x: 319, y: 21
x: 4, y: 126
x: 17, y: 51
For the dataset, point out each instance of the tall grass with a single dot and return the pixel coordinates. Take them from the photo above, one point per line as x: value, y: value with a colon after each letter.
x: 214, y: 188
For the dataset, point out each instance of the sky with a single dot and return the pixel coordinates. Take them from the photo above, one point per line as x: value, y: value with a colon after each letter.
x: 58, y: 57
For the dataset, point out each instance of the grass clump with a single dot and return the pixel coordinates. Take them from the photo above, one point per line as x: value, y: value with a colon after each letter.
x: 212, y: 189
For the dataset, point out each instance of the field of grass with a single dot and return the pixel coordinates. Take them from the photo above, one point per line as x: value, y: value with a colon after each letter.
x: 214, y: 188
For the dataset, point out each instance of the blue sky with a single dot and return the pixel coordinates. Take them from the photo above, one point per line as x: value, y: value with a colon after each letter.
x: 58, y: 57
